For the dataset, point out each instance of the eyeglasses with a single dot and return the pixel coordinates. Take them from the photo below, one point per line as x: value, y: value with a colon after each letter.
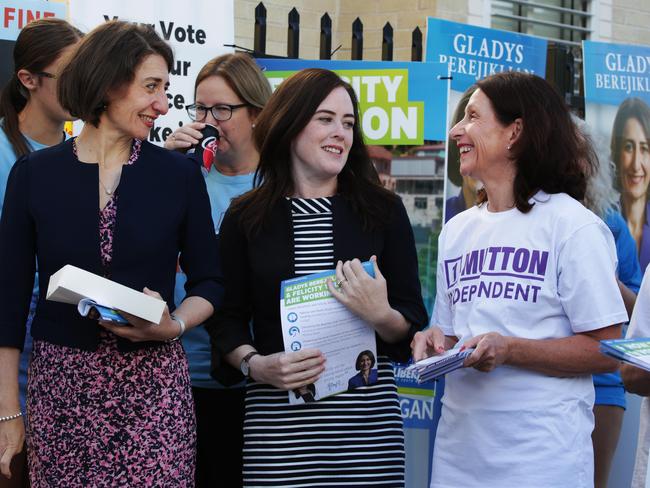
x: 221, y: 112
x: 45, y: 74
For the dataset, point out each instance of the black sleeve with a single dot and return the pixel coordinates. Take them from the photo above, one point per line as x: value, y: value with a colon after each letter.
x: 229, y: 326
x: 17, y: 257
x: 399, y: 265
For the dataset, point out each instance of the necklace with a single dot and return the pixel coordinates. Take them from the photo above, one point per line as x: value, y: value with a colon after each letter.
x: 108, y: 191
x: 102, y: 163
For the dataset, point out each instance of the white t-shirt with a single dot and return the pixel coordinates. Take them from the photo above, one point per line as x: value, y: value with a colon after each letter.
x: 640, y: 327
x: 546, y: 274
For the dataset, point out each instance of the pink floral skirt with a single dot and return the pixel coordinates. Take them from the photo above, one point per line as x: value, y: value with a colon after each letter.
x: 107, y: 418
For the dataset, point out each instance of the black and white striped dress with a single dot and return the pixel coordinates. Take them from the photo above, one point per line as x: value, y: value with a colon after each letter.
x: 352, y: 439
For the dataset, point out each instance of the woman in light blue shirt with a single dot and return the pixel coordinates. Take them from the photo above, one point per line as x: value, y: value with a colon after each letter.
x: 32, y: 119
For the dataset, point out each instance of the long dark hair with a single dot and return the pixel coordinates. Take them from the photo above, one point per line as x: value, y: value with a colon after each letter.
x: 550, y: 154
x: 38, y: 45
x: 286, y: 114
x: 631, y: 108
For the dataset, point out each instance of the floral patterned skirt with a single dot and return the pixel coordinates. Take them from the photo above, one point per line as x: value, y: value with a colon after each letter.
x: 109, y: 418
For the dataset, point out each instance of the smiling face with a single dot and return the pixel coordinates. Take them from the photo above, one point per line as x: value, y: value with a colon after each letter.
x: 236, y: 135
x: 482, y: 140
x: 634, y: 160
x: 134, y: 108
x: 365, y: 363
x: 320, y: 151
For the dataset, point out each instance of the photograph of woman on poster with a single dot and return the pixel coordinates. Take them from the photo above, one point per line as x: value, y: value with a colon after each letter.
x: 631, y: 154
x: 466, y: 198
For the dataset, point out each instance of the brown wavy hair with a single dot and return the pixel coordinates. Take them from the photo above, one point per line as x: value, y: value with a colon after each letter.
x: 286, y: 114
x: 106, y: 60
x: 550, y: 154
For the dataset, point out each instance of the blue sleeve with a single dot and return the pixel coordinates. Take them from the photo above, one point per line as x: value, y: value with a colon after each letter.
x: 199, y: 249
x: 629, y: 270
x: 17, y: 251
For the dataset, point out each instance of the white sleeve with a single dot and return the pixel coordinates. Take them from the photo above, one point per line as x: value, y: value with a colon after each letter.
x: 640, y: 321
x: 586, y: 280
x: 442, y: 315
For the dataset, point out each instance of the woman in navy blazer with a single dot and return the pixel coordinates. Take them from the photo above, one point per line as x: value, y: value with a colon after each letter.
x: 366, y: 374
x: 114, y: 401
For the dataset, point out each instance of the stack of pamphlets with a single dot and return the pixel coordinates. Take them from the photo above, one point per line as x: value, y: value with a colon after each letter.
x: 87, y: 306
x: 435, y: 366
x: 633, y: 351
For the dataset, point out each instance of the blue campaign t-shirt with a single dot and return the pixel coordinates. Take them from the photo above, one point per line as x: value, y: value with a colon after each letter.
x: 221, y: 189
x: 7, y: 159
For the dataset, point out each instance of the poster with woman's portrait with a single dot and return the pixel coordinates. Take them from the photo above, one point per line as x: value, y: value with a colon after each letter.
x: 617, y: 111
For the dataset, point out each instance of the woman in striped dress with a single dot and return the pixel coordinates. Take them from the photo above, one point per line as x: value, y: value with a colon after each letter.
x: 317, y: 205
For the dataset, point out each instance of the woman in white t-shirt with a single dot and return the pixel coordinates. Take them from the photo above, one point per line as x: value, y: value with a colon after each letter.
x: 527, y: 278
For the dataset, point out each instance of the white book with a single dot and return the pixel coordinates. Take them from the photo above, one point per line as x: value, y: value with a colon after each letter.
x: 71, y: 284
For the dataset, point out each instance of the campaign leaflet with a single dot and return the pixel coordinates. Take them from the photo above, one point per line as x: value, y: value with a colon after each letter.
x: 632, y: 351
x: 313, y: 318
x: 91, y: 309
x: 435, y: 366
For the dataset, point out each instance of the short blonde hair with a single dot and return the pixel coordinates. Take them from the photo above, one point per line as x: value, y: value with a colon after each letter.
x: 243, y: 76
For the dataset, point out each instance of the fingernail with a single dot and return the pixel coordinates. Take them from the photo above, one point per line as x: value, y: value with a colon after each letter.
x: 462, y: 348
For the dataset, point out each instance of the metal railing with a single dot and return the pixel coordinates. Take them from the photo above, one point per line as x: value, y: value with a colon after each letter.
x: 562, y: 63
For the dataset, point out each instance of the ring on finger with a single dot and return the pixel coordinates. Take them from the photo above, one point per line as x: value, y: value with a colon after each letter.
x: 340, y: 282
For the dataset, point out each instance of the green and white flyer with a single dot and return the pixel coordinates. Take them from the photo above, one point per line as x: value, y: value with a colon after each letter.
x: 313, y: 318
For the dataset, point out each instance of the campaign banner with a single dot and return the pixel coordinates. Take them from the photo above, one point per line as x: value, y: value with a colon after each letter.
x: 197, y: 33
x: 16, y: 14
x: 420, y: 405
x: 617, y: 112
x: 473, y: 53
x: 400, y: 103
x: 614, y: 72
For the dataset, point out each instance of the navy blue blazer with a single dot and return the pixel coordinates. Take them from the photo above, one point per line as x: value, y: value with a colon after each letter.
x: 357, y: 380
x: 51, y: 212
x: 254, y: 269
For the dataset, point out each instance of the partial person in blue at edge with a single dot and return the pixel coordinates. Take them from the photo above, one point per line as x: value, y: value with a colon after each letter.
x: 230, y: 91
x: 609, y: 406
x: 32, y: 119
